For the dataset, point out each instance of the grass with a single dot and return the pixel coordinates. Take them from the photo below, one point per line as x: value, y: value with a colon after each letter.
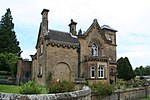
x: 9, y: 89
x: 145, y: 99
x: 148, y: 98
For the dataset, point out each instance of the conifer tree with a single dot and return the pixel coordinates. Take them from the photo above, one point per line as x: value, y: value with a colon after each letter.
x: 124, y: 68
x: 130, y: 71
x: 8, y: 40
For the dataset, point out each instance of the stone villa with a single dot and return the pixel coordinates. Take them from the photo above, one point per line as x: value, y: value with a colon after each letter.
x: 74, y: 55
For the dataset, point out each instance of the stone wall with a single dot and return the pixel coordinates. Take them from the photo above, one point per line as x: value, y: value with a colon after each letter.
x: 62, y: 62
x: 23, y: 71
x: 84, y: 94
x: 129, y: 94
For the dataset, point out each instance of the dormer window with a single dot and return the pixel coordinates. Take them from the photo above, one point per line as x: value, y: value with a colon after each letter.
x: 94, y: 50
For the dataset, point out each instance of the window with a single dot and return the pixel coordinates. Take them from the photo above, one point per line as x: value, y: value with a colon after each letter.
x: 101, y: 71
x: 94, y: 50
x: 109, y: 37
x: 111, y: 72
x: 92, y: 72
x: 41, y: 49
x: 40, y: 72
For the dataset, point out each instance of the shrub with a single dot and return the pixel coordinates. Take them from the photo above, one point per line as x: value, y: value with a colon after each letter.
x: 100, y: 89
x: 32, y: 87
x: 59, y: 87
x: 49, y: 77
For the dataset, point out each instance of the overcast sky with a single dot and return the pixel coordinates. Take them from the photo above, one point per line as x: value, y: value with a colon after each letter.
x: 130, y: 17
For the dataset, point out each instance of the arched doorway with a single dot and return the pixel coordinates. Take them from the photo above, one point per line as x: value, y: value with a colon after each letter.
x: 62, y: 72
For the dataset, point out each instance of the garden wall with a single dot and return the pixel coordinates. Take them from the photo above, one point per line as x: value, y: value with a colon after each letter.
x: 84, y: 94
x: 128, y: 94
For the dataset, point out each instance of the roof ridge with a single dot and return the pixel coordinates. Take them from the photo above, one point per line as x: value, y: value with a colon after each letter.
x: 108, y: 27
x: 58, y: 31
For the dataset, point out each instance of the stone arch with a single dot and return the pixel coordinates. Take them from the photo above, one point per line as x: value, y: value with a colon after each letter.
x: 112, y: 70
x: 62, y: 71
x: 112, y: 74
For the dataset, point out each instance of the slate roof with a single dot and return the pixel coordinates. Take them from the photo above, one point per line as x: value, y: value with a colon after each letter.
x: 59, y: 37
x: 108, y: 27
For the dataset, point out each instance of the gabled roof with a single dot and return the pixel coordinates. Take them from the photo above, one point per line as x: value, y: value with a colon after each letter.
x: 60, y: 37
x: 38, y: 36
x: 95, y: 23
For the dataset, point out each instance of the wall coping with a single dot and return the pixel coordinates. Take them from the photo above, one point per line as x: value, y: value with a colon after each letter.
x: 86, y: 91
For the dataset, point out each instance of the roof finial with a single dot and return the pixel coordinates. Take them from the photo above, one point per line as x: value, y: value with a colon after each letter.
x: 95, y: 20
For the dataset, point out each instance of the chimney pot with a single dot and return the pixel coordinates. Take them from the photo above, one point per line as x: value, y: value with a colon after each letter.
x: 44, y: 10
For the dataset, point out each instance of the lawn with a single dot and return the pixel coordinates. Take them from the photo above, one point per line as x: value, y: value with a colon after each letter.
x: 9, y: 89
x: 146, y: 98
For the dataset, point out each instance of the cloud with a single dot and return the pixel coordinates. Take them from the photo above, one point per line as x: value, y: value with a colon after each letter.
x: 27, y: 52
x: 129, y: 17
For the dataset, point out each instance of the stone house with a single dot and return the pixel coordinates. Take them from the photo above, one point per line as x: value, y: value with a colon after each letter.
x: 71, y: 55
x: 23, y: 71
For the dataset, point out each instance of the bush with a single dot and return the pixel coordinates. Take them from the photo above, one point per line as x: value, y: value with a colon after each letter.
x: 49, y: 77
x: 32, y: 87
x: 60, y: 87
x: 100, y: 89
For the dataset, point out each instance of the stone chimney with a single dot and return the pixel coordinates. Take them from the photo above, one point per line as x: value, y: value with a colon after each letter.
x: 45, y: 20
x: 72, y: 26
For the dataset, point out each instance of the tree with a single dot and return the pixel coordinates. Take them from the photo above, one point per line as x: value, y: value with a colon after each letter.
x: 141, y: 71
x: 137, y: 71
x: 8, y: 62
x: 8, y: 40
x: 147, y: 70
x: 131, y: 73
x: 124, y: 68
x: 121, y: 68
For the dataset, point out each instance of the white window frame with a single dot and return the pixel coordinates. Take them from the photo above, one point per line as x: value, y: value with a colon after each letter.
x: 94, y: 50
x: 101, y: 71
x: 92, y: 70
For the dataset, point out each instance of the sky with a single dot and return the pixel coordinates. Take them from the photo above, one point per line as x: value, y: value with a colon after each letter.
x: 131, y: 18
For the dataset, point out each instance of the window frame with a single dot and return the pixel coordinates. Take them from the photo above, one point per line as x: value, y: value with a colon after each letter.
x: 94, y: 46
x: 101, y: 71
x: 92, y: 71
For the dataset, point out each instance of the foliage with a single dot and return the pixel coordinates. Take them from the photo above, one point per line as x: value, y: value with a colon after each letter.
x: 101, y: 89
x: 124, y: 68
x: 9, y: 89
x: 137, y: 82
x: 8, y: 40
x: 148, y: 98
x: 8, y: 62
x: 49, y: 77
x: 142, y: 71
x: 120, y: 84
x: 32, y: 87
x: 60, y: 87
